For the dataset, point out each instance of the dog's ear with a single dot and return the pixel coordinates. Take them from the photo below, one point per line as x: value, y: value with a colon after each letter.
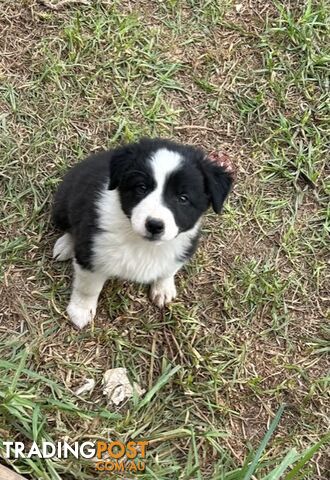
x: 121, y: 160
x: 218, y: 182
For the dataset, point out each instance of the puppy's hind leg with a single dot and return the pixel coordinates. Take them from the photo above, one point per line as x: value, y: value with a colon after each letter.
x: 63, y: 248
x: 87, y: 286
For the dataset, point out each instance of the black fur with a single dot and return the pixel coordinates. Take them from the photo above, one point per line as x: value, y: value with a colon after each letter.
x: 75, y: 202
x: 218, y: 183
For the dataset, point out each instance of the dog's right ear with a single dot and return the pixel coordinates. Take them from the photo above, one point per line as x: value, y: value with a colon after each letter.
x: 120, y: 161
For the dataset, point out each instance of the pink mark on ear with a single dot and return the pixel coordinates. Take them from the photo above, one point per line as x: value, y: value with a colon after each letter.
x: 222, y: 159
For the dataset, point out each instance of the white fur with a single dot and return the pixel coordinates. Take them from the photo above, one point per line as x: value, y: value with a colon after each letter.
x: 85, y: 293
x: 121, y: 252
x: 63, y: 248
x: 163, y: 162
x: 163, y: 291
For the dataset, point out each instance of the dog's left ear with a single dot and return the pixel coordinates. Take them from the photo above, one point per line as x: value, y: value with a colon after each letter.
x: 218, y: 182
x: 121, y: 160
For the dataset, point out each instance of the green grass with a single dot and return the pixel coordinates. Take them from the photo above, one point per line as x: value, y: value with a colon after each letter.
x: 235, y: 370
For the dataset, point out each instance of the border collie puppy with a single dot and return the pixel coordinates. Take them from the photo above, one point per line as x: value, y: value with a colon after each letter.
x: 134, y: 213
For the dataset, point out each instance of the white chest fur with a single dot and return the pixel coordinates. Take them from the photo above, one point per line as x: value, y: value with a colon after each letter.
x: 119, y: 252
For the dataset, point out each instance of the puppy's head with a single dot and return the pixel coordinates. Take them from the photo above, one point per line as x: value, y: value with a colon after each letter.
x: 165, y: 187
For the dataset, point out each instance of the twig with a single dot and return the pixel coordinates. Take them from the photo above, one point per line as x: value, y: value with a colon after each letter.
x: 192, y: 127
x: 6, y: 474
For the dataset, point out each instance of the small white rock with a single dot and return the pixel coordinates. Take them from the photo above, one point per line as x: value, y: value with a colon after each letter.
x: 87, y: 387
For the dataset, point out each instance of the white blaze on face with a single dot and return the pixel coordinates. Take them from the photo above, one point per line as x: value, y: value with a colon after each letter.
x: 163, y: 163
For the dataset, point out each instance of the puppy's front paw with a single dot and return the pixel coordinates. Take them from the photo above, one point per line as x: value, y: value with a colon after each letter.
x: 163, y: 292
x: 80, y: 314
x: 63, y: 248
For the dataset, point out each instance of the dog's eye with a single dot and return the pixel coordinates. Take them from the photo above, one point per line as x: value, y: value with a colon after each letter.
x: 183, y: 199
x: 141, y: 188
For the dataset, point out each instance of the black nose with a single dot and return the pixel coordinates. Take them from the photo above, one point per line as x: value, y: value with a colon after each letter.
x: 154, y: 226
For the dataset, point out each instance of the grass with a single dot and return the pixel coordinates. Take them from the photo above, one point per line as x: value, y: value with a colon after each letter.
x: 235, y: 370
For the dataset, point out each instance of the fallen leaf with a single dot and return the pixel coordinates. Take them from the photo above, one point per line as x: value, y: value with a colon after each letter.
x: 117, y: 386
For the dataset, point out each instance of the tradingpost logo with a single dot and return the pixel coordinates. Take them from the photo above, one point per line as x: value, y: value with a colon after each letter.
x: 121, y: 457
x: 115, y: 456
